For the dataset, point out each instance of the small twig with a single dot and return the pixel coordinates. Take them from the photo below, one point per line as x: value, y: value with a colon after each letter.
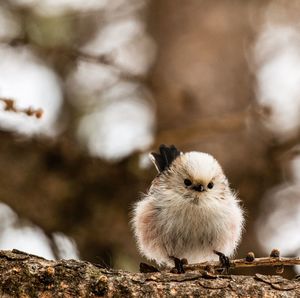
x: 107, y: 60
x: 242, y: 263
x: 75, y: 54
x: 9, y: 106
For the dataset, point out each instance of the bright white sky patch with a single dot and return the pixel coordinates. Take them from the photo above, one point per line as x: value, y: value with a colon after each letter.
x: 277, y: 70
x: 32, y: 239
x: 121, y: 124
x: 28, y: 239
x: 137, y: 56
x: 67, y: 248
x: 30, y: 83
x: 280, y: 229
x: 127, y: 42
x: 86, y: 83
x: 118, y: 117
x: 277, y: 55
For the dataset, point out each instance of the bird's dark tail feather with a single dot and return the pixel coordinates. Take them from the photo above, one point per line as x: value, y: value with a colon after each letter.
x: 165, y: 157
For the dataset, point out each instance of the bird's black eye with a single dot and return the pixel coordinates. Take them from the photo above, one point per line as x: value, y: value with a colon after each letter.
x: 187, y: 182
x: 210, y: 185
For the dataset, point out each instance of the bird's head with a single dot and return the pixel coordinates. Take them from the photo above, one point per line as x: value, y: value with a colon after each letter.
x: 192, y: 175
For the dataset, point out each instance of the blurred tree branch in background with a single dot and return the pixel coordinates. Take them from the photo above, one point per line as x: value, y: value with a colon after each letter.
x: 74, y: 54
x: 9, y: 106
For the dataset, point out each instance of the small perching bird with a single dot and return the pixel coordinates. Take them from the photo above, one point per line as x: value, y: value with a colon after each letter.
x: 189, y: 212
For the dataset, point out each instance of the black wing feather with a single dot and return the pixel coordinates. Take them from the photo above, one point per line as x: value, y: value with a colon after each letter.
x: 165, y: 157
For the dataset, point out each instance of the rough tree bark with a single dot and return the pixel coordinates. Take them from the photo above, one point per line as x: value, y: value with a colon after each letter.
x: 24, y: 275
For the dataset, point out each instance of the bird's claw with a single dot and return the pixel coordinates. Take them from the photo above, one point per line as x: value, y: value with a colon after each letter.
x: 179, y: 264
x: 224, y: 260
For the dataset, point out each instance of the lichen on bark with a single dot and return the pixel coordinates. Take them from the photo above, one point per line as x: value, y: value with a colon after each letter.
x: 24, y: 275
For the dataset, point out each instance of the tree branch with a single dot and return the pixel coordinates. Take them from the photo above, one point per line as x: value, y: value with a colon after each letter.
x: 242, y: 263
x: 24, y: 275
x: 9, y: 106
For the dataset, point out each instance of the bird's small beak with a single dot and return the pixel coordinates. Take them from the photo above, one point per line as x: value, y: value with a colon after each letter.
x: 198, y: 187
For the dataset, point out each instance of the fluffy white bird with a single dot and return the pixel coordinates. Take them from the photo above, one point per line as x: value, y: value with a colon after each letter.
x: 189, y: 212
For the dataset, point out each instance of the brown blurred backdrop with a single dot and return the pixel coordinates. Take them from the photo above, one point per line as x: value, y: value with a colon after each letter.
x: 196, y: 71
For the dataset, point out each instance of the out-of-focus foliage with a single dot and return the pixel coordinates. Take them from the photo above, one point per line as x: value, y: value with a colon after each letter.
x: 117, y: 78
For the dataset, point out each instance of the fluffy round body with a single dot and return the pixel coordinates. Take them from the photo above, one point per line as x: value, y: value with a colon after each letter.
x: 174, y: 219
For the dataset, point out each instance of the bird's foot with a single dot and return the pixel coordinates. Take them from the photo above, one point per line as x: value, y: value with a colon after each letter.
x: 224, y: 260
x: 146, y: 268
x: 179, y: 264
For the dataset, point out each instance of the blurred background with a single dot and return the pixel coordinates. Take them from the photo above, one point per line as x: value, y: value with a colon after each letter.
x: 117, y: 78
